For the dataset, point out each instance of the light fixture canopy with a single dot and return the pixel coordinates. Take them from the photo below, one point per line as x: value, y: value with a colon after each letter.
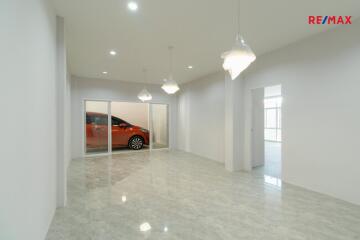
x: 239, y: 58
x: 144, y: 94
x: 170, y: 86
x: 144, y: 227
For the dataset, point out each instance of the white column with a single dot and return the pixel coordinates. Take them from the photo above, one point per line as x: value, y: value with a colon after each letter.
x: 234, y: 124
x: 62, y: 112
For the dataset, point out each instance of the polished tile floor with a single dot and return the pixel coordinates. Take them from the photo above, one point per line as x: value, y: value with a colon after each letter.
x: 272, y: 166
x: 176, y: 195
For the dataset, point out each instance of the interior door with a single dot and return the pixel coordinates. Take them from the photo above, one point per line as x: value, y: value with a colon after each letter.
x: 257, y: 128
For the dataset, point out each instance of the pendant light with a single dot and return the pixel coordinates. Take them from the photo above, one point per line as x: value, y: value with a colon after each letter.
x: 240, y: 56
x: 170, y: 86
x: 144, y: 95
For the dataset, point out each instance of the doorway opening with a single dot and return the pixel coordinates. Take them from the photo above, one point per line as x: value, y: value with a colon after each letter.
x: 113, y: 127
x: 159, y: 126
x: 272, y: 131
x: 266, y: 131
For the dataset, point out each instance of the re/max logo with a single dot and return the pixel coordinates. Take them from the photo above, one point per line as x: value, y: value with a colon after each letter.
x: 329, y: 20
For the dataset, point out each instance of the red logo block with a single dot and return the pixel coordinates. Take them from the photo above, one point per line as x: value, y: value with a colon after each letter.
x: 330, y: 20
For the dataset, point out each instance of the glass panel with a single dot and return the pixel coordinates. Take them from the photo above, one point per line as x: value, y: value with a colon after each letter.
x: 159, y: 121
x: 270, y: 103
x: 273, y: 102
x: 279, y: 118
x: 270, y: 134
x: 129, y: 126
x: 270, y: 121
x: 272, y: 91
x: 278, y: 135
x: 272, y: 114
x: 96, y: 126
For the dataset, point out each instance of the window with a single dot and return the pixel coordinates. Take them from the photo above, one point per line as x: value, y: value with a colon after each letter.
x: 272, y: 115
x: 117, y: 121
x: 96, y: 129
x: 89, y: 119
x: 101, y: 120
x: 96, y: 119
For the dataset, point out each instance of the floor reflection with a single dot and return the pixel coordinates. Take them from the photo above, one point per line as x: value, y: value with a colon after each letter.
x: 175, y: 195
x: 273, y: 181
x: 145, y: 227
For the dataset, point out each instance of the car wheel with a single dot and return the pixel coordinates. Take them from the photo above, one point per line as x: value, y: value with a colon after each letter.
x: 136, y: 143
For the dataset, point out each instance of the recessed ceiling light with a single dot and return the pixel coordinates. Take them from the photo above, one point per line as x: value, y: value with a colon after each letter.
x: 190, y: 67
x: 104, y: 72
x: 133, y: 6
x: 113, y: 52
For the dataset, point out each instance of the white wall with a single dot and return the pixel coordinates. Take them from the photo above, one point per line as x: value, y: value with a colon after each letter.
x: 63, y: 90
x: 28, y: 119
x: 257, y: 128
x: 234, y: 123
x: 201, y: 117
x: 320, y: 79
x: 101, y: 89
x: 67, y: 127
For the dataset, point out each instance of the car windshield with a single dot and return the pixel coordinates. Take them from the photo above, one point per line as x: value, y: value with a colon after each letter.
x: 117, y: 121
x: 96, y: 119
x: 101, y: 119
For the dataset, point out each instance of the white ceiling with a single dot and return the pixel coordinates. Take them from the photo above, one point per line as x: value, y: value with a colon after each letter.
x: 200, y: 30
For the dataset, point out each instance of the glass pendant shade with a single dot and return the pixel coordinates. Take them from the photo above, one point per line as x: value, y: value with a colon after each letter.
x: 170, y: 86
x: 144, y: 95
x: 238, y: 59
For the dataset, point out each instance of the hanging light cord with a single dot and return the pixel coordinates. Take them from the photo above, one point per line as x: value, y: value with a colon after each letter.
x: 171, y: 61
x: 238, y: 20
x: 145, y: 76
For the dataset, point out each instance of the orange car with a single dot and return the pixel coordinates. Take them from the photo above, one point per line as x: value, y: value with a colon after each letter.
x: 124, y: 134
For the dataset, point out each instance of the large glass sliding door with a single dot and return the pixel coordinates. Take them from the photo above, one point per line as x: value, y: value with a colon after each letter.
x: 130, y: 124
x: 159, y: 126
x: 96, y: 127
x: 118, y: 126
